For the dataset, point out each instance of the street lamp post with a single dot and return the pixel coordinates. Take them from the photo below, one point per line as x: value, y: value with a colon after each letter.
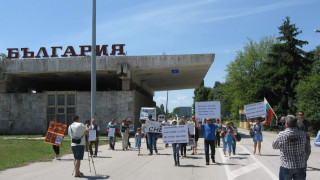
x: 93, y: 61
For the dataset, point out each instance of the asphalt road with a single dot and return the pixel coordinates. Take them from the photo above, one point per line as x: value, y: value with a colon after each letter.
x: 120, y: 164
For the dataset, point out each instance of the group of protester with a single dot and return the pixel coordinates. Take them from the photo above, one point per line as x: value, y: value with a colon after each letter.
x: 293, y: 142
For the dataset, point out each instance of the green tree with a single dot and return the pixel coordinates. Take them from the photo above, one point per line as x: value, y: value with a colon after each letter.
x: 201, y: 94
x: 3, y: 56
x: 243, y: 84
x: 308, y: 94
x: 159, y: 110
x: 162, y: 107
x: 285, y: 67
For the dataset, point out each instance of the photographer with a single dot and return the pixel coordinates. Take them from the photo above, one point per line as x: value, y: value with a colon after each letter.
x: 77, y: 131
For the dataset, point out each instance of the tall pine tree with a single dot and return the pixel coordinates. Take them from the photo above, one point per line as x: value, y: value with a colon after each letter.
x: 285, y: 67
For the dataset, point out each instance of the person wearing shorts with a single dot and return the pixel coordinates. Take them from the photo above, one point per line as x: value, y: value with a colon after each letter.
x: 78, y: 130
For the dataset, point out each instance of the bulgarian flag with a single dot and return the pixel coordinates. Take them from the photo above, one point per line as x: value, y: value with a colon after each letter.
x: 269, y: 111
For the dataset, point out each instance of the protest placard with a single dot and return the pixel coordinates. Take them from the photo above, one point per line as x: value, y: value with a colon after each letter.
x: 111, y: 132
x: 146, y: 111
x: 92, y: 135
x: 209, y: 109
x: 55, y: 133
x: 175, y: 134
x: 255, y: 110
x: 131, y: 128
x: 191, y: 127
x: 154, y: 127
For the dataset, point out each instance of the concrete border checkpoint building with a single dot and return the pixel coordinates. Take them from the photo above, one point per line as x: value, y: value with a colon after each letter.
x: 62, y: 86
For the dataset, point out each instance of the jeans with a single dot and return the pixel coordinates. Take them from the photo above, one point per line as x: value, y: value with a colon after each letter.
x: 234, y: 145
x: 225, y: 144
x: 296, y: 174
x: 112, y: 142
x: 210, y: 143
x: 152, y: 140
x: 175, y: 148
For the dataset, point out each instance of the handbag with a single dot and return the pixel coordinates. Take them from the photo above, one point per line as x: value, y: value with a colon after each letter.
x: 238, y: 137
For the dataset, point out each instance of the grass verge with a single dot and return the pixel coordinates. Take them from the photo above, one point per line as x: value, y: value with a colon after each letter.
x: 20, y: 152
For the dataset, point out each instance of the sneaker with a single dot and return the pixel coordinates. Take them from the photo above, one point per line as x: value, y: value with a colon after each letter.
x: 213, y: 161
x: 234, y: 153
x: 207, y: 163
x: 192, y: 153
x: 149, y: 154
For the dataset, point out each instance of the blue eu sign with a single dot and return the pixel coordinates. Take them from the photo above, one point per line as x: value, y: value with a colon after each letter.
x: 174, y: 71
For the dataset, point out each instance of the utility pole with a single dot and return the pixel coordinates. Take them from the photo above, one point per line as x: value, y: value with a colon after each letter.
x: 93, y: 61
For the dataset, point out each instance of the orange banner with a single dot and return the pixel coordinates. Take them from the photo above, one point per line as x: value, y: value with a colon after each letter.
x: 55, y: 133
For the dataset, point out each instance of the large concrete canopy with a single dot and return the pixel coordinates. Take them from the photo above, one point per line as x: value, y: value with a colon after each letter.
x: 152, y: 73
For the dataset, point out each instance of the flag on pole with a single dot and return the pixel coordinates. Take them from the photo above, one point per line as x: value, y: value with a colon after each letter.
x: 269, y: 111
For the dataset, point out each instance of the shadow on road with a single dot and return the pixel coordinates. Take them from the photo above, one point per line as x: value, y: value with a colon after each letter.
x: 103, y: 157
x: 269, y: 155
x: 239, y: 157
x: 313, y: 169
x: 191, y: 165
x: 97, y: 177
x: 228, y: 164
x: 193, y: 157
x: 66, y: 160
x: 243, y: 154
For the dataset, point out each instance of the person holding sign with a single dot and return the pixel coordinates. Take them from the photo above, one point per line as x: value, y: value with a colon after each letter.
x: 257, y: 136
x: 94, y: 133
x: 112, y: 126
x: 77, y: 131
x: 166, y: 123
x: 175, y: 148
x: 195, y: 136
x: 124, y: 133
x: 183, y: 146
x: 152, y: 139
x: 56, y: 148
x: 209, y: 138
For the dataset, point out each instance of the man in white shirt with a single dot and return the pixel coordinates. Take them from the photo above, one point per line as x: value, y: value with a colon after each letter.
x: 76, y: 131
x: 96, y: 128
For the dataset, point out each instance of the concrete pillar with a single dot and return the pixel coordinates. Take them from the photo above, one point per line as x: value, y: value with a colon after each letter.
x: 125, y: 84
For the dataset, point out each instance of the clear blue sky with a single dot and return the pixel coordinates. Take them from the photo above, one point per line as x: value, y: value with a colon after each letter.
x: 155, y: 27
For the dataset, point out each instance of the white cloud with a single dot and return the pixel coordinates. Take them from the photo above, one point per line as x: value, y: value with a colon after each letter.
x: 261, y: 9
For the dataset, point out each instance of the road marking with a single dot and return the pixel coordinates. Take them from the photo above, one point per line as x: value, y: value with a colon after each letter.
x: 244, y: 170
x: 226, y: 166
x: 259, y: 163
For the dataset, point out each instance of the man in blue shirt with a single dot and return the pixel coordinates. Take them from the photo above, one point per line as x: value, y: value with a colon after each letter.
x: 317, y: 140
x: 209, y: 138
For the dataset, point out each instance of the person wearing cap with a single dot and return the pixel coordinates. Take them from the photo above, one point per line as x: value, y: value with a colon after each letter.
x: 152, y: 139
x: 209, y: 138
